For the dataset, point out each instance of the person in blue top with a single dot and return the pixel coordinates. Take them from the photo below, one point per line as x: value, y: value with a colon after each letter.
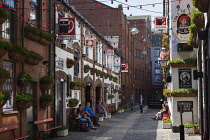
x: 132, y: 101
x: 94, y: 117
x: 141, y: 103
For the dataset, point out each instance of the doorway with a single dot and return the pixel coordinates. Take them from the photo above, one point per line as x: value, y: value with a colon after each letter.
x: 87, y: 94
x: 59, y: 103
x: 98, y: 94
x: 31, y: 112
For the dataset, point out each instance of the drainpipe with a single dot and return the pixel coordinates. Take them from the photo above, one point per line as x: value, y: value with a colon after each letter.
x: 50, y: 46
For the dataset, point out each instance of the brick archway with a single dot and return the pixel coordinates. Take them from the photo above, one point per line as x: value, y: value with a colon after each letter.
x: 61, y: 75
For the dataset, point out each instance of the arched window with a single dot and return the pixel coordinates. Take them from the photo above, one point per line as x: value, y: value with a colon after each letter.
x: 76, y: 66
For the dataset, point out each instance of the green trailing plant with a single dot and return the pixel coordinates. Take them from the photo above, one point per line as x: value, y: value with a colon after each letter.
x: 24, y: 97
x: 73, y: 101
x: 115, y: 78
x: 78, y: 84
x: 18, y: 49
x: 184, y: 91
x: 4, y: 45
x: 47, y: 79
x: 33, y: 30
x: 106, y: 75
x: 194, y: 14
x: 4, y: 73
x: 190, y: 125
x: 34, y: 55
x: 110, y: 96
x: 3, y: 13
x: 195, y: 2
x: 175, y: 61
x: 24, y: 78
x: 166, y: 55
x: 192, y: 28
x: 47, y: 97
x: 167, y: 121
x: 86, y: 67
x: 190, y: 60
x: 47, y: 36
x: 111, y: 76
x: 63, y: 127
x: 4, y: 95
x: 71, y: 61
x: 93, y: 70
x: 99, y: 115
x: 115, y: 90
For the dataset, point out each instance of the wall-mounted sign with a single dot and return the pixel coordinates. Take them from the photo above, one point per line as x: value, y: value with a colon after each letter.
x: 184, y: 106
x: 89, y: 43
x: 60, y: 63
x: 124, y: 67
x: 160, y: 24
x: 185, y: 78
x: 66, y: 28
x: 109, y: 52
x: 181, y: 23
x: 117, y: 61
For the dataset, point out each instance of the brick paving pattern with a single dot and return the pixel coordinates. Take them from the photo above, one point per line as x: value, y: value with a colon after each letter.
x: 130, y: 125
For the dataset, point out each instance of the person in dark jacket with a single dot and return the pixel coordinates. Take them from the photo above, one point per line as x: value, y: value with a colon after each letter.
x: 141, y: 103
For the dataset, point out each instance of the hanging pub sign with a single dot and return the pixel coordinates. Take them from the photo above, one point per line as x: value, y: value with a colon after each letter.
x: 124, y: 67
x: 185, y: 78
x: 181, y: 23
x: 117, y: 61
x: 66, y: 29
x: 89, y: 43
x: 160, y: 25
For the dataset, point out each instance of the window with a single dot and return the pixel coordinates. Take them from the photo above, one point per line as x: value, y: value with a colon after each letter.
x: 157, y: 53
x: 10, y: 3
x: 87, y: 51
x: 76, y: 66
x: 9, y: 85
x: 135, y: 52
x: 136, y: 74
x: 139, y: 74
x: 142, y: 75
x: 6, y: 30
x: 139, y: 53
x: 33, y: 12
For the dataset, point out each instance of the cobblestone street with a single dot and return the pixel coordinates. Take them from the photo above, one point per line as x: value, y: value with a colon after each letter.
x: 130, y: 125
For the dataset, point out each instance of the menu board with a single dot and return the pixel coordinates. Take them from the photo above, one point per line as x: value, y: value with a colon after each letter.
x: 184, y: 106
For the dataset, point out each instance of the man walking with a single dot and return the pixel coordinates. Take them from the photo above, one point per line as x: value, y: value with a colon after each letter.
x: 132, y: 100
x: 141, y: 103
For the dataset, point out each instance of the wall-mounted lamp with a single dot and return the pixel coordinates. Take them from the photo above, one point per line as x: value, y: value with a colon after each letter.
x: 104, y: 66
x: 134, y: 31
x: 83, y: 55
x: 63, y: 45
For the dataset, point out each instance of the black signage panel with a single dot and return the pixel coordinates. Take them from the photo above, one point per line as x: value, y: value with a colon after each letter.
x: 185, y: 78
x: 184, y: 106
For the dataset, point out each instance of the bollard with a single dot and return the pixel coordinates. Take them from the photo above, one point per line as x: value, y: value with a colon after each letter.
x: 181, y: 128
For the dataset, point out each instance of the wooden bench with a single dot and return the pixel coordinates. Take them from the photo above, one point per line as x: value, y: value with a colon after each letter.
x: 12, y: 128
x: 75, y: 124
x: 43, y: 132
x: 111, y: 109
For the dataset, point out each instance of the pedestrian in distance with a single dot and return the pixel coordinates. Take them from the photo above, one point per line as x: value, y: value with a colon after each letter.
x: 141, y: 103
x: 132, y: 100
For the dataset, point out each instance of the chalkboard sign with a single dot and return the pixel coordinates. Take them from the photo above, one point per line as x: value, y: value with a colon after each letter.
x: 187, y: 106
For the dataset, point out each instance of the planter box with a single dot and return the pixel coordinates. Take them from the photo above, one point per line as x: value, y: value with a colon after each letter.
x: 179, y: 65
x: 62, y: 133
x: 175, y: 129
x: 167, y: 125
x: 101, y: 119
x: 190, y: 130
x: 118, y: 111
x: 122, y: 110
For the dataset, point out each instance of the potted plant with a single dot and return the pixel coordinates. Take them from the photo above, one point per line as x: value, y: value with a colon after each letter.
x: 86, y: 68
x: 106, y: 75
x: 24, y: 101
x: 110, y: 96
x: 101, y: 117
x: 73, y: 102
x: 188, y: 127
x: 46, y: 38
x: 17, y: 53
x: 62, y: 131
x: 3, y: 15
x: 115, y: 79
x: 97, y: 72
x: 46, y: 83
x: 77, y: 85
x: 46, y: 100
x: 33, y: 58
x: 167, y: 124
x: 4, y: 75
x: 24, y: 79
x: 120, y: 96
x: 111, y: 77
x: 4, y: 96
x: 33, y: 33
x: 197, y: 17
x: 115, y: 90
x: 70, y: 62
x: 4, y: 47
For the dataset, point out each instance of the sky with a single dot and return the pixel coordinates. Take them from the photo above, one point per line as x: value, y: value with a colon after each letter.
x: 134, y: 7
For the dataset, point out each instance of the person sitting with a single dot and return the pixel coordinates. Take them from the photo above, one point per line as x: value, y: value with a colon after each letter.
x: 92, y: 114
x: 164, y: 110
x: 100, y: 109
x: 83, y: 120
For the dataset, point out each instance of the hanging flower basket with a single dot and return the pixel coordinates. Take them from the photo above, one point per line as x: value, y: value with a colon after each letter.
x: 16, y: 56
x: 3, y: 79
x: 86, y: 70
x: 32, y: 36
x: 178, y: 65
x: 92, y: 72
x: 24, y: 105
x: 73, y: 102
x: 68, y: 65
x: 72, y: 105
x: 44, y: 104
x: 45, y: 86
x: 44, y: 41
x: 3, y: 52
x: 199, y: 21
x: 2, y: 20
x: 97, y: 74
x: 32, y: 61
x: 203, y: 5
x: 2, y: 102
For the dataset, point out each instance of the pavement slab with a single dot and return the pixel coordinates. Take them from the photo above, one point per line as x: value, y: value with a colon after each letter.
x: 130, y: 125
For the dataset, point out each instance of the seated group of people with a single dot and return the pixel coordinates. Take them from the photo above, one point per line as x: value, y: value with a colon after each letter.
x: 164, y: 110
x: 87, y: 115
